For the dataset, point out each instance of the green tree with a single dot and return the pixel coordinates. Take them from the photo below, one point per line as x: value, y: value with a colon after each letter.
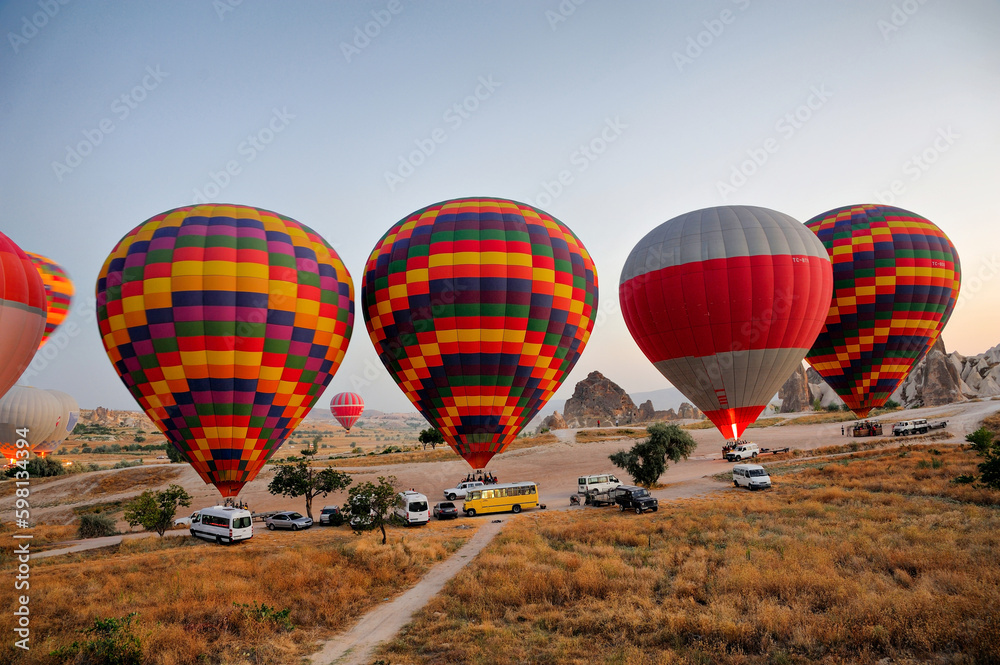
x: 173, y: 454
x: 981, y: 440
x: 430, y: 436
x: 647, y: 460
x: 38, y: 467
x: 989, y: 468
x: 155, y: 511
x: 299, y: 479
x: 369, y: 504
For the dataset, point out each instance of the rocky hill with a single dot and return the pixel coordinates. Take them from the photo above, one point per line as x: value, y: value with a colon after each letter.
x: 112, y: 418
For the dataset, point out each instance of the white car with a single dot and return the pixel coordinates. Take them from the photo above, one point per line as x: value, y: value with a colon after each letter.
x: 185, y: 521
x: 462, y: 490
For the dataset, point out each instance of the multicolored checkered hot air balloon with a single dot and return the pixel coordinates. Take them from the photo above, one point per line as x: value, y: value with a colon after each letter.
x: 22, y: 312
x: 479, y: 308
x: 58, y: 292
x: 896, y: 278
x: 226, y: 323
x: 347, y: 408
x: 725, y: 302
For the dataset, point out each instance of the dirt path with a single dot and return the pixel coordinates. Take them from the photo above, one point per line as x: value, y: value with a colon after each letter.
x: 356, y: 645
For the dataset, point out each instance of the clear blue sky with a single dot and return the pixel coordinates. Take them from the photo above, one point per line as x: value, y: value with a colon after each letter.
x: 666, y: 97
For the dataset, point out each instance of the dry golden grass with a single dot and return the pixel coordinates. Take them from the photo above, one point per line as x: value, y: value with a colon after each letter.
x: 823, y: 417
x: 442, y: 454
x: 858, y: 561
x: 589, y: 435
x: 184, y: 591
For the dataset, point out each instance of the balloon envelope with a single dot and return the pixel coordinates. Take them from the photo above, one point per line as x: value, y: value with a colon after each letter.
x: 725, y: 302
x: 58, y: 292
x: 226, y: 323
x: 896, y: 281
x: 479, y: 308
x: 25, y: 408
x: 347, y: 408
x: 22, y: 312
x: 69, y: 412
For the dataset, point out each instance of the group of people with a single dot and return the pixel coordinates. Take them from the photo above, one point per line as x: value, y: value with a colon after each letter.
x: 733, y: 445
x: 863, y: 428
x: 232, y: 503
x: 481, y: 476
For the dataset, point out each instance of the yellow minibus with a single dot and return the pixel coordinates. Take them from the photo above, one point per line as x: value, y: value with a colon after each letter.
x: 501, y: 498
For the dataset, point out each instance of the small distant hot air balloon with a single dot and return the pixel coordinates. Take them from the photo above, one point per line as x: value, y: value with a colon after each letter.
x: 896, y: 279
x: 347, y: 408
x: 725, y: 302
x: 479, y: 308
x: 26, y: 414
x: 22, y: 312
x: 226, y: 323
x: 58, y: 292
x: 69, y: 414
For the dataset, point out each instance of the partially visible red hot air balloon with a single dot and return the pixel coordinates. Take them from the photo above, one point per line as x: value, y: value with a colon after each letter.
x: 22, y: 312
x: 226, y: 323
x: 725, y: 302
x: 347, y: 408
x: 479, y: 308
x: 896, y: 279
x: 58, y: 292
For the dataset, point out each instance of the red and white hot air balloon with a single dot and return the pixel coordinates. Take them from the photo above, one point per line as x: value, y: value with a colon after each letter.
x: 726, y: 302
x: 347, y: 408
x: 22, y: 312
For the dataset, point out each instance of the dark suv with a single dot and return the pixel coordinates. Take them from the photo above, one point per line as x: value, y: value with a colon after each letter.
x: 634, y: 498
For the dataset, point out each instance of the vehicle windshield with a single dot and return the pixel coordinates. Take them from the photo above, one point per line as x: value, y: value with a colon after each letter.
x: 755, y: 473
x: 418, y: 506
x: 640, y: 493
x: 612, y: 479
x: 294, y: 516
x: 327, y: 511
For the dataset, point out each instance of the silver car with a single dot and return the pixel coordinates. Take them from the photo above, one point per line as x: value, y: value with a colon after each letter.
x: 288, y: 519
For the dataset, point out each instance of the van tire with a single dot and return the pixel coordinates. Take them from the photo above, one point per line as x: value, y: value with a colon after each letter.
x: 270, y: 527
x: 515, y: 509
x: 471, y: 512
x: 218, y: 540
x: 736, y: 484
x: 754, y: 455
x: 452, y: 497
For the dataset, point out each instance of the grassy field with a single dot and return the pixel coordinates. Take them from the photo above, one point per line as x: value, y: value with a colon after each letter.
x: 200, y: 602
x: 878, y: 558
x: 588, y: 435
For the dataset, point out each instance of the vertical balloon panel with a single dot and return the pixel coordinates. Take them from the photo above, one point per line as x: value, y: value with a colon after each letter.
x: 226, y: 323
x: 479, y: 308
x: 58, y: 293
x: 22, y: 312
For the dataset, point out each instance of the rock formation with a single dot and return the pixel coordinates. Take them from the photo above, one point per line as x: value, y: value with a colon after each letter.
x: 111, y: 418
x: 942, y: 378
x: 555, y: 421
x: 794, y: 393
x: 597, y: 398
x: 688, y: 412
x: 646, y: 411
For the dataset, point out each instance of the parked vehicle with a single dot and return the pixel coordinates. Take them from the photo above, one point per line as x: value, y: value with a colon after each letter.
x: 629, y: 497
x: 596, y: 483
x: 445, y: 510
x: 743, y: 451
x: 186, y: 521
x: 223, y: 524
x: 512, y: 497
x: 908, y: 427
x: 940, y: 424
x: 751, y: 475
x: 600, y: 498
x: 288, y: 519
x: 462, y: 490
x: 411, y: 507
x: 330, y: 516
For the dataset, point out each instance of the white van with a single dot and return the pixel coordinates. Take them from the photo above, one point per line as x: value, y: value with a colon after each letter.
x: 596, y: 483
x: 223, y: 524
x: 751, y: 475
x: 411, y: 507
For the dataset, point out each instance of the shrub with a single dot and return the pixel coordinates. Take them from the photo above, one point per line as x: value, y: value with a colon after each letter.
x: 95, y: 525
x: 113, y: 643
x: 39, y: 467
x: 980, y: 440
x: 892, y: 404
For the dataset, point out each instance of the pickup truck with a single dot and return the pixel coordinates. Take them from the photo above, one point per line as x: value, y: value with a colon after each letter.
x: 908, y: 427
x: 462, y: 490
x: 742, y: 452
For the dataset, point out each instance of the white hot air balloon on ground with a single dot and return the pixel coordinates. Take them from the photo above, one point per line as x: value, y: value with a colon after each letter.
x: 69, y: 415
x: 27, y: 414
